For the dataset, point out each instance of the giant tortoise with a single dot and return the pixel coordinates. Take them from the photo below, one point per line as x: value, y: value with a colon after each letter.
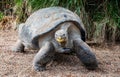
x: 54, y: 30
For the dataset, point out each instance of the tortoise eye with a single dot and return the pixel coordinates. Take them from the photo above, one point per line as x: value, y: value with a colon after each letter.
x: 63, y: 34
x: 56, y: 35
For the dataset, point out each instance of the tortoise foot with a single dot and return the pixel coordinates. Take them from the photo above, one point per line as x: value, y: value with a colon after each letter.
x: 85, y: 54
x: 39, y: 68
x: 18, y: 47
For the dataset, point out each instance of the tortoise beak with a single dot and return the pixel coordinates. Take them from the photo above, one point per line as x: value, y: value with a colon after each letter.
x: 61, y: 40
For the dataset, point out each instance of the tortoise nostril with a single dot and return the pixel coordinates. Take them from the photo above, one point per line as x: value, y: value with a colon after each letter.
x: 65, y: 16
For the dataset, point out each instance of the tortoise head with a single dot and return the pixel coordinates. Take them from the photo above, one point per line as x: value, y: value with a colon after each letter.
x: 61, y: 36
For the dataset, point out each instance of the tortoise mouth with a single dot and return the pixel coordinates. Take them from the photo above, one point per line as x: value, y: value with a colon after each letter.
x: 61, y: 40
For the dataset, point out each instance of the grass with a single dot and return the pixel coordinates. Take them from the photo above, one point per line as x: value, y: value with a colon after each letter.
x: 101, y: 18
x: 74, y: 5
x: 1, y: 16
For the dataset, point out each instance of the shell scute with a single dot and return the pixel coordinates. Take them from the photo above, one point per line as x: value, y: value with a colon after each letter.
x: 45, y: 20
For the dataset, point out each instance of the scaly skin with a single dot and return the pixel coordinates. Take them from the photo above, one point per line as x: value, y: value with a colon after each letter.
x: 84, y: 53
x: 44, y: 56
x: 18, y: 47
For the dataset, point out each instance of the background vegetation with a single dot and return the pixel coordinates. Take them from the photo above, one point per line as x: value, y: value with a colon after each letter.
x: 101, y: 17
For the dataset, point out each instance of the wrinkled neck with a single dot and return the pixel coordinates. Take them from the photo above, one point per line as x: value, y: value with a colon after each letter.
x: 65, y: 26
x: 63, y: 44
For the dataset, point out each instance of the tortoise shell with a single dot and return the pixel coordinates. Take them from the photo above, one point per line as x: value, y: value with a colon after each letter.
x: 45, y: 20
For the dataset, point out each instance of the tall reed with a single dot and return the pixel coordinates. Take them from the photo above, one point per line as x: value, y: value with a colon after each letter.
x: 101, y: 17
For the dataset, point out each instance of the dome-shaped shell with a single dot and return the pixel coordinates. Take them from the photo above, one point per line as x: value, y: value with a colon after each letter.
x: 45, y: 20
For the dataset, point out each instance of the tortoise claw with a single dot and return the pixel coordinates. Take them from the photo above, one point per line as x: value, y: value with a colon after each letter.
x: 39, y: 68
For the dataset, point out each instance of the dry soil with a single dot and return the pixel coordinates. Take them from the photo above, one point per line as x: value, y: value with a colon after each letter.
x: 20, y: 64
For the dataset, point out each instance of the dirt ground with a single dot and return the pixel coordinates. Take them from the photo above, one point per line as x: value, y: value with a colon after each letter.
x: 20, y: 64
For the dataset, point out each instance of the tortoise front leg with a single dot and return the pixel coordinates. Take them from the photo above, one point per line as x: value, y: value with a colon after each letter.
x: 44, y: 56
x: 84, y: 53
x: 18, y: 47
